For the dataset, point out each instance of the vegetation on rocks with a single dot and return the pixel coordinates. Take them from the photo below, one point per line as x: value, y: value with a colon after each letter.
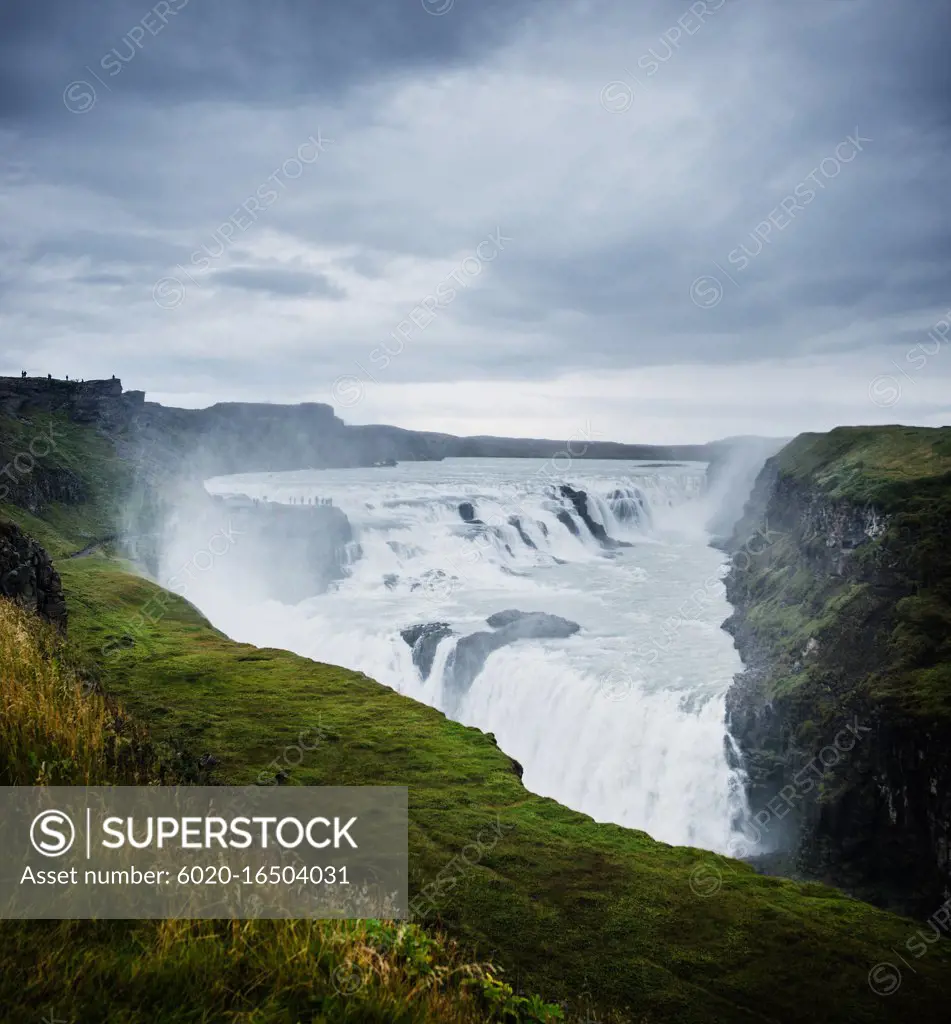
x: 844, y: 616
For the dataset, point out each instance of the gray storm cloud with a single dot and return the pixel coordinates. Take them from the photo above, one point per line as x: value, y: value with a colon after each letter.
x: 719, y: 184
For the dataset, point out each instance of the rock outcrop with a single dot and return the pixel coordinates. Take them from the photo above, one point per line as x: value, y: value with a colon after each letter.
x: 424, y: 640
x: 27, y: 576
x: 32, y: 474
x: 102, y: 403
x: 579, y: 501
x: 528, y: 625
x: 467, y: 658
x: 286, y: 553
x: 467, y: 514
x: 520, y: 530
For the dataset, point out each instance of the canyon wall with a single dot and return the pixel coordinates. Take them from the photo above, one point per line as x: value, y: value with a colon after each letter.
x: 27, y: 576
x: 841, y: 584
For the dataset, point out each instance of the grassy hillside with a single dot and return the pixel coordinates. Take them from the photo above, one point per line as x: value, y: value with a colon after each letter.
x: 567, y: 903
x: 616, y: 925
x: 57, y: 729
x: 890, y: 466
x: 61, y: 483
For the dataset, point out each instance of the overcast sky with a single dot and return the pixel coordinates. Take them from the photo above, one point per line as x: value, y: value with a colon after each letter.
x: 655, y: 221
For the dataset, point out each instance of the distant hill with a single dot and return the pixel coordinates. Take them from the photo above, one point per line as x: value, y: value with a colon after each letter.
x: 232, y: 437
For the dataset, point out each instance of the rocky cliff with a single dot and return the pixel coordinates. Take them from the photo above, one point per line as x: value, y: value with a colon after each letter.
x: 841, y: 584
x: 234, y: 437
x: 28, y: 577
x: 229, y: 437
x: 99, y: 402
x: 32, y: 440
x: 90, y: 463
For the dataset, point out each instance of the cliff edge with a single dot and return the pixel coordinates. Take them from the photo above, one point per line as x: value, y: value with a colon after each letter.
x: 841, y: 584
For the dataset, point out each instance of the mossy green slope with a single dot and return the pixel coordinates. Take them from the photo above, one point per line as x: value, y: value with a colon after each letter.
x: 895, y: 590
x: 889, y: 466
x: 657, y: 932
x: 70, y: 476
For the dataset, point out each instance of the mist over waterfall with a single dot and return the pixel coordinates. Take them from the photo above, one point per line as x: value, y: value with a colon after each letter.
x: 612, y: 699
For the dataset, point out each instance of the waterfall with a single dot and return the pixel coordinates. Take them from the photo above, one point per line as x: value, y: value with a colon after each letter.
x: 624, y: 718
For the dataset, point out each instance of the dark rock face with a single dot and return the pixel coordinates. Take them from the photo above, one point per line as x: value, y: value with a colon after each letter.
x: 296, y: 551
x: 848, y: 783
x: 565, y: 519
x: 424, y: 639
x: 579, y: 500
x: 526, y: 540
x: 99, y: 402
x: 468, y: 657
x: 263, y: 549
x: 27, y: 576
x: 467, y: 514
x: 31, y: 476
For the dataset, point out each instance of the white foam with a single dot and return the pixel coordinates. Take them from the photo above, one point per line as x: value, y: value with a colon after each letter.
x: 623, y: 721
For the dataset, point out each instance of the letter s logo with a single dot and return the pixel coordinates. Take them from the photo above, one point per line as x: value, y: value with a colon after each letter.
x: 58, y: 832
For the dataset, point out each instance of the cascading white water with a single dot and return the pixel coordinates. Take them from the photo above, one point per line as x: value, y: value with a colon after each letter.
x: 623, y: 720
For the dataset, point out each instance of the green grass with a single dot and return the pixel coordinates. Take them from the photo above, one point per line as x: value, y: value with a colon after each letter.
x: 883, y: 465
x: 49, y: 448
x: 63, y: 530
x: 565, y: 904
x: 58, y: 729
x: 252, y: 972
x: 895, y: 589
x: 55, y: 729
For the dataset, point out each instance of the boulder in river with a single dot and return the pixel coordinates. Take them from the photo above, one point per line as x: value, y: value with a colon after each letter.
x: 468, y: 656
x: 526, y: 625
x: 565, y: 519
x: 424, y: 639
x: 467, y: 514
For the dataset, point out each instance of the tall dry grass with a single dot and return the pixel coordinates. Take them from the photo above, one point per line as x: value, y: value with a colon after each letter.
x: 253, y: 972
x: 55, y: 728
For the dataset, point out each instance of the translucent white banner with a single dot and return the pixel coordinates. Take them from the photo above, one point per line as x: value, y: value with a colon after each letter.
x: 203, y: 852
